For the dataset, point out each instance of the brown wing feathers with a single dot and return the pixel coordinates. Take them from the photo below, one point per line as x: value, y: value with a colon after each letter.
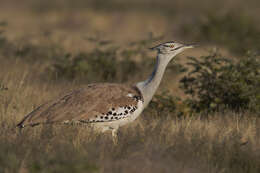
x: 83, y: 104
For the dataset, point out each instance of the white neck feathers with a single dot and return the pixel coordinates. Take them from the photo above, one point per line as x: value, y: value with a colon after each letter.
x: 149, y: 86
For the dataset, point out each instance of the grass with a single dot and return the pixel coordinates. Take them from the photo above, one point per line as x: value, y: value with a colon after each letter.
x: 167, y: 137
x: 159, y: 141
x: 227, y: 143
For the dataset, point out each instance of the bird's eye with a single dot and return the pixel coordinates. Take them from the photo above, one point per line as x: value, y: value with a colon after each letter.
x: 172, y: 46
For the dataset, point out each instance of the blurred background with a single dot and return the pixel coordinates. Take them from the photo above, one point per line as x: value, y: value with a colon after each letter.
x: 230, y: 24
x: 59, y: 30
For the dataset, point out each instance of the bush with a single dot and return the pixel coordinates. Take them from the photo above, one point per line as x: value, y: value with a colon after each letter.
x: 3, y: 87
x: 37, y: 53
x: 215, y: 83
x: 5, y: 46
x: 106, y: 63
x: 162, y: 105
x: 97, y: 66
x: 26, y: 50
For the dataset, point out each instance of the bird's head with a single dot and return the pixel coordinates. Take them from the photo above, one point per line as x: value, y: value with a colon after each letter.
x: 171, y: 48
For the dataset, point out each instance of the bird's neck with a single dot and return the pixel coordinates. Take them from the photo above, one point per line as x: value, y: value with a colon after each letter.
x: 149, y: 86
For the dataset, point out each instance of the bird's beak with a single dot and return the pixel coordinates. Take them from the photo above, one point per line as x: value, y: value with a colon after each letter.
x: 187, y: 46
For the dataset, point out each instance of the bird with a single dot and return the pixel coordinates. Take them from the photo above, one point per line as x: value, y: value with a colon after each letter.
x: 106, y: 106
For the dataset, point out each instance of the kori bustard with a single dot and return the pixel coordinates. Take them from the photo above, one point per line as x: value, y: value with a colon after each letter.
x: 106, y: 106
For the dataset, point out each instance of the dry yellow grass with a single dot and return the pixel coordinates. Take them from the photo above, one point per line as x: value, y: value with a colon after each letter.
x: 223, y: 142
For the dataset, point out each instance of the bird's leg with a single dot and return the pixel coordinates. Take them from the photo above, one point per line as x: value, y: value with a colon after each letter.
x: 20, y: 131
x: 114, y: 136
x: 20, y: 128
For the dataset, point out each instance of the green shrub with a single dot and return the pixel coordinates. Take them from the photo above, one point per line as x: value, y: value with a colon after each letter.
x: 215, y: 83
x: 5, y: 45
x: 25, y: 50
x: 36, y: 53
x: 97, y: 66
x: 162, y: 105
x: 3, y: 87
x: 2, y: 39
x: 106, y: 63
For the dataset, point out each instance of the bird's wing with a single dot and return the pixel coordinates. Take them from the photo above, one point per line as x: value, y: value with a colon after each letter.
x: 90, y: 104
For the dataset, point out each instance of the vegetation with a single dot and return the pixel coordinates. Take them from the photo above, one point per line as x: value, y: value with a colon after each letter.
x: 107, y: 64
x: 97, y: 66
x: 238, y: 32
x: 152, y: 145
x: 163, y: 104
x: 3, y: 87
x: 50, y: 47
x: 216, y: 83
